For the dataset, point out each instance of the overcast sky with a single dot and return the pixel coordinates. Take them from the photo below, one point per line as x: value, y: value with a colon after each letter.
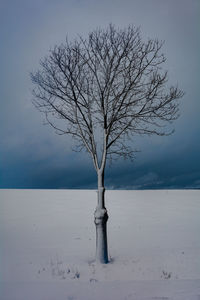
x: 33, y: 156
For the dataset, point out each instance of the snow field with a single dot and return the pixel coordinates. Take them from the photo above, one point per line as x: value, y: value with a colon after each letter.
x: 47, y: 245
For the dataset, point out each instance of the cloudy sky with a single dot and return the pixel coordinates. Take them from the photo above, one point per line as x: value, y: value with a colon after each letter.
x: 33, y: 156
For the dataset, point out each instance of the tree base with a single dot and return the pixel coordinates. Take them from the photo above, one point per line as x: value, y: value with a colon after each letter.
x: 100, y: 220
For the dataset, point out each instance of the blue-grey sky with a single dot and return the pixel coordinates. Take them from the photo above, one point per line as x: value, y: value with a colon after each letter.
x: 33, y: 156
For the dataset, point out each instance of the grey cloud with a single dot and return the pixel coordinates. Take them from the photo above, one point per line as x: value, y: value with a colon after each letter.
x: 31, y: 155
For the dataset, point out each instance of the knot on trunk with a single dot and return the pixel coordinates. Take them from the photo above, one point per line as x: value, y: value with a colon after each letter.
x: 100, y: 216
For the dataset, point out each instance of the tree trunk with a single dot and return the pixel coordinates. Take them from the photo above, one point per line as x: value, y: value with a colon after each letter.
x: 100, y: 220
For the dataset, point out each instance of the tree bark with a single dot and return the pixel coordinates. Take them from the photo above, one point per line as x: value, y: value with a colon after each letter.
x: 100, y: 220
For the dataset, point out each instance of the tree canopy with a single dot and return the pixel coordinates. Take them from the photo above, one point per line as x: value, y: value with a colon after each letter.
x: 106, y: 88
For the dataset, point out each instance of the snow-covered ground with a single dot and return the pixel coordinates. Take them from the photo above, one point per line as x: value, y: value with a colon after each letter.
x: 47, y: 245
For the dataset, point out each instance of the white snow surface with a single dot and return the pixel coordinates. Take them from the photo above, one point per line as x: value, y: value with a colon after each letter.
x: 47, y: 245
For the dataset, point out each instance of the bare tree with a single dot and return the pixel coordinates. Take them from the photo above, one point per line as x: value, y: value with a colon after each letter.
x: 103, y: 90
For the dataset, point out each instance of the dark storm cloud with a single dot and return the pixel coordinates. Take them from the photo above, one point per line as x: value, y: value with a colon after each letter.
x: 32, y: 156
x: 178, y: 171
